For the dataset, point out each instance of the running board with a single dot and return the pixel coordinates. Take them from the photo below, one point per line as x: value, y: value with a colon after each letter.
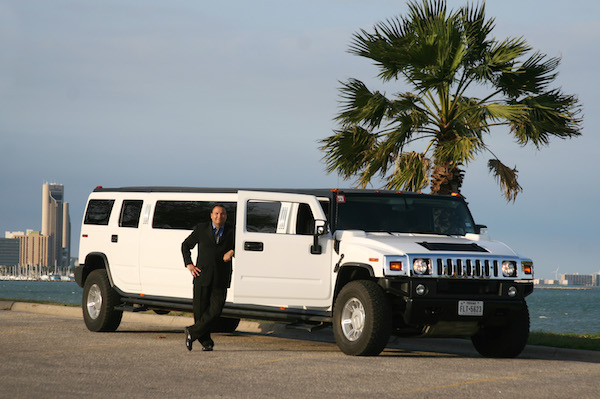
x: 310, y: 327
x: 129, y: 307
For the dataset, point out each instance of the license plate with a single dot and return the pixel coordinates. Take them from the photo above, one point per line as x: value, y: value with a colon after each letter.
x: 470, y: 308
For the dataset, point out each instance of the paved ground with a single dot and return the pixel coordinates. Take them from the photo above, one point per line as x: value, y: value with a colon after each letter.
x: 46, y: 351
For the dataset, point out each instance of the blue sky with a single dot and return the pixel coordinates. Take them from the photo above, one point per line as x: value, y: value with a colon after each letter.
x: 238, y: 94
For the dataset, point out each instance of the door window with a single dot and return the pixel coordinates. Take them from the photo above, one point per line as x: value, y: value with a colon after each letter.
x: 130, y: 213
x: 262, y: 216
x: 279, y: 217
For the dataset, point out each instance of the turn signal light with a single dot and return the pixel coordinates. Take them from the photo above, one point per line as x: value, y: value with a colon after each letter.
x: 396, y: 266
x: 527, y: 267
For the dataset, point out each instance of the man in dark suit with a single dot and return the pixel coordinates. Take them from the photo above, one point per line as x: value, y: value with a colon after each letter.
x: 212, y: 274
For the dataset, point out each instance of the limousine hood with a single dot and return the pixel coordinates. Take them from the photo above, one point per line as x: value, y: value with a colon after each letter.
x: 411, y: 243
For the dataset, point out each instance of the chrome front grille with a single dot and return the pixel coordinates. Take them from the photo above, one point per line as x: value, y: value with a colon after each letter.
x: 467, y: 267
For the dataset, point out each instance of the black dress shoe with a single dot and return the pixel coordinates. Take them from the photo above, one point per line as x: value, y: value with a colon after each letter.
x: 188, y: 339
x: 207, y: 347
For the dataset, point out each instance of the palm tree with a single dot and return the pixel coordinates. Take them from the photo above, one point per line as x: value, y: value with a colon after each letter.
x: 443, y: 56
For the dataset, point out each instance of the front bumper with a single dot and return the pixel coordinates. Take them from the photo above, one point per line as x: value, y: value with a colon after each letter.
x: 422, y: 312
x: 439, y: 302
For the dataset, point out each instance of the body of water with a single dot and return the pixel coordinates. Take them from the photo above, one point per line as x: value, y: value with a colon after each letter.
x: 51, y: 291
x: 552, y: 310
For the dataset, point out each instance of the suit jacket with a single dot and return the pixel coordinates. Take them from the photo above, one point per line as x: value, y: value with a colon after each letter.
x: 215, y: 271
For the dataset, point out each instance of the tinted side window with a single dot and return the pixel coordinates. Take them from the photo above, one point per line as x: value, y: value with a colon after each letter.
x: 98, y: 212
x: 305, y: 222
x: 184, y: 215
x: 130, y: 213
x: 261, y: 217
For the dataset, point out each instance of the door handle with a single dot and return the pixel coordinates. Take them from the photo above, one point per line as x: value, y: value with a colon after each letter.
x: 253, y: 246
x: 114, y: 238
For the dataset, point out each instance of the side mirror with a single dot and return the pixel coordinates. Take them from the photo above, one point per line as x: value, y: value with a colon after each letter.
x: 320, y: 229
x: 480, y: 229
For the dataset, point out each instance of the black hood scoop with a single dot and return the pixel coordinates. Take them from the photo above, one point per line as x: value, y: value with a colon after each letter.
x: 443, y: 246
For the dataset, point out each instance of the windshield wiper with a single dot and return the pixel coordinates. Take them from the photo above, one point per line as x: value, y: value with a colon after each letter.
x: 432, y: 232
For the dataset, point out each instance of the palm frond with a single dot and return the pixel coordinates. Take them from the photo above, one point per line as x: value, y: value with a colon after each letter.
x: 460, y: 150
x: 409, y: 109
x: 550, y: 114
x: 349, y: 151
x: 476, y: 30
x: 506, y: 177
x: 361, y: 106
x: 411, y: 172
x: 532, y: 77
x: 511, y: 112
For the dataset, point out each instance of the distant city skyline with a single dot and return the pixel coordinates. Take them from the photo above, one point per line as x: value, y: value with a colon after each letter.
x: 45, y: 250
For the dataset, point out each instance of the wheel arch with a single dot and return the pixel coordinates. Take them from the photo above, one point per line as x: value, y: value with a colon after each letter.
x: 95, y: 261
x: 352, y: 271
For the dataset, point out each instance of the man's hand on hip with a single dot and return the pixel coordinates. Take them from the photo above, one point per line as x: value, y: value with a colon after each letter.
x: 194, y: 270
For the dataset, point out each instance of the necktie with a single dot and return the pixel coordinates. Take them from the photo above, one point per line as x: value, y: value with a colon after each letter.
x: 217, y: 235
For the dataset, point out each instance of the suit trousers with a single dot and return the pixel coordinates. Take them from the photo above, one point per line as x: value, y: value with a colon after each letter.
x: 208, y: 305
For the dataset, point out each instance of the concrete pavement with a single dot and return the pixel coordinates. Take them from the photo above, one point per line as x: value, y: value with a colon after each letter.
x: 46, y: 351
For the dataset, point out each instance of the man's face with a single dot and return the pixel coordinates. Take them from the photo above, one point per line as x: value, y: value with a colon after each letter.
x: 218, y: 216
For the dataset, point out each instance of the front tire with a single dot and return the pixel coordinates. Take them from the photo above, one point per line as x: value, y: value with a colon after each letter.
x: 504, y: 342
x: 99, y: 302
x: 361, y: 319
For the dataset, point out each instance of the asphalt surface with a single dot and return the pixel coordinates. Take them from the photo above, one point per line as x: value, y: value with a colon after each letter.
x: 46, y: 351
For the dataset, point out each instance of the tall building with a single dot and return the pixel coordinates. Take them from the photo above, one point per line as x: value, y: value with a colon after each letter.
x: 56, y: 224
x: 34, y: 249
x: 9, y: 252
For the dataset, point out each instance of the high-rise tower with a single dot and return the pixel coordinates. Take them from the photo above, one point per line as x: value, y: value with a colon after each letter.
x: 56, y: 224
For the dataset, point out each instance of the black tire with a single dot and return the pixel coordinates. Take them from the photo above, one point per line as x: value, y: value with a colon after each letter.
x: 225, y: 325
x: 99, y: 301
x: 504, y: 342
x: 161, y: 311
x: 361, y: 319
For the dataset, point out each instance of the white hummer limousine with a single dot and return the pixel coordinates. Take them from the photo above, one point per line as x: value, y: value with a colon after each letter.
x: 367, y: 263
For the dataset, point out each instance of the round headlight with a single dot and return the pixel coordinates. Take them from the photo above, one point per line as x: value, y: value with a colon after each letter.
x: 512, y: 291
x: 508, y: 268
x: 421, y: 266
x: 420, y: 289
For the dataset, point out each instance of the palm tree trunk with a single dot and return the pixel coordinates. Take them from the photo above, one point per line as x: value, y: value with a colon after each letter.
x: 446, y: 179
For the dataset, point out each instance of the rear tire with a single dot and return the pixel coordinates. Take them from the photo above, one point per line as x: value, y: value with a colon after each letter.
x: 99, y: 301
x: 506, y: 341
x: 361, y: 319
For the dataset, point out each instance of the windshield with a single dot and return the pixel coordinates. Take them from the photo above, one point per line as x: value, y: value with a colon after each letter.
x: 403, y: 214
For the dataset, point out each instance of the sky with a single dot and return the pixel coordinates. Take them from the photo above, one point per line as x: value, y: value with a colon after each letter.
x: 238, y: 94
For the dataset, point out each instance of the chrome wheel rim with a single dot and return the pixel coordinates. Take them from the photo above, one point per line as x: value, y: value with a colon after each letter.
x: 94, y: 301
x: 353, y: 319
